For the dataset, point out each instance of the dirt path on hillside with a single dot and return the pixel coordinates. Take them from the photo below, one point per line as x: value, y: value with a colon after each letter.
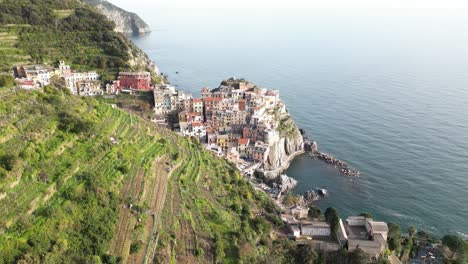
x: 121, y: 244
x: 162, y: 168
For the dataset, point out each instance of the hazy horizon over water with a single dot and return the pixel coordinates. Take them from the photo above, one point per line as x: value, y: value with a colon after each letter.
x: 384, y: 90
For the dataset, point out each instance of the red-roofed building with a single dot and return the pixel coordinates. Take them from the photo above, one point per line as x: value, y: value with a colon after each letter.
x: 242, y: 105
x: 194, y: 117
x: 212, y: 103
x: 135, y: 81
x: 243, y: 141
x: 242, y: 146
x: 197, y: 105
x: 25, y: 84
x: 198, y: 130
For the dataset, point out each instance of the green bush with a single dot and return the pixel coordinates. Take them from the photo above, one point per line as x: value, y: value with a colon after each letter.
x: 73, y: 123
x: 7, y: 81
x: 8, y: 161
x: 314, y: 211
x: 135, y: 247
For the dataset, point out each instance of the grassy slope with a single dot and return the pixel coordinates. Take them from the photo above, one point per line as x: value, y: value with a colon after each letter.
x: 212, y: 213
x: 65, y: 194
x: 61, y: 197
x: 48, y: 31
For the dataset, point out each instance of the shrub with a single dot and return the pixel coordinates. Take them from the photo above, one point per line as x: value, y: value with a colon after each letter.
x: 74, y: 124
x: 8, y: 161
x: 7, y: 81
x: 135, y: 247
x: 314, y: 211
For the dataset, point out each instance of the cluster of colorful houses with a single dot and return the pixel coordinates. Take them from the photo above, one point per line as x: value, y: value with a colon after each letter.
x: 80, y: 83
x: 237, y: 120
x: 355, y: 232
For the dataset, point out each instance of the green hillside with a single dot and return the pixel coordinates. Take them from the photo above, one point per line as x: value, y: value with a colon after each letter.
x: 33, y: 31
x: 70, y: 168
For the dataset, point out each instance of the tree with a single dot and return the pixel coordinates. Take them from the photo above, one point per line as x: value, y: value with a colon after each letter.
x: 314, y: 211
x: 333, y: 219
x: 394, y: 235
x: 358, y: 256
x: 7, y: 81
x: 305, y: 254
x: 411, y: 231
x: 366, y: 214
x: 454, y: 243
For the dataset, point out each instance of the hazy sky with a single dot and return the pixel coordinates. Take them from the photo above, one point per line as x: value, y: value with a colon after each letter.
x: 295, y: 3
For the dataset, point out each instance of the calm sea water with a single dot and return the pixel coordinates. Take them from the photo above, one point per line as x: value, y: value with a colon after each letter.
x: 384, y: 90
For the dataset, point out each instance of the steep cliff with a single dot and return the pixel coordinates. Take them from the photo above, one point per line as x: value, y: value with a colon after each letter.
x: 125, y: 22
x: 285, y: 143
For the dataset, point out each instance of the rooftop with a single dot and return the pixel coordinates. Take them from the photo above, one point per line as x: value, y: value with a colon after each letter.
x: 243, y: 141
x: 134, y: 73
x: 378, y: 226
x: 212, y: 99
x: 356, y: 232
x: 315, y: 224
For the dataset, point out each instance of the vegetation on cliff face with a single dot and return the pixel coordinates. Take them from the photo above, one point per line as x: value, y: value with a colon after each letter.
x: 33, y: 31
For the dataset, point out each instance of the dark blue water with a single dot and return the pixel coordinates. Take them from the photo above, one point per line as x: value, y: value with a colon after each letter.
x: 384, y: 90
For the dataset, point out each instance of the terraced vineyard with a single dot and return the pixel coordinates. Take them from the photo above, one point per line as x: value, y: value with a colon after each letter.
x: 212, y: 214
x: 9, y: 53
x: 81, y: 181
x: 70, y: 167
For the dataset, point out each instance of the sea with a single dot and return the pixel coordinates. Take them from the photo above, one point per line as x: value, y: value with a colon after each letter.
x: 385, y: 90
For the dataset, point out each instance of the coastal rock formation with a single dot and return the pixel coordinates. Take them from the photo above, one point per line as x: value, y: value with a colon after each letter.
x: 125, y: 22
x: 285, y: 144
x: 344, y: 168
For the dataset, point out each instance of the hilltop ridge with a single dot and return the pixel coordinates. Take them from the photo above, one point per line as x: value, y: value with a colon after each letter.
x: 45, y: 32
x: 126, y: 22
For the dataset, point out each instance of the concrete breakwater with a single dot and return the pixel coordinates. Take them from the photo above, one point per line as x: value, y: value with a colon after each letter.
x: 344, y: 168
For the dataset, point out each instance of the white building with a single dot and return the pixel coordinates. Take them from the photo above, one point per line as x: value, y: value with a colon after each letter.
x: 73, y: 78
x: 295, y: 231
x: 366, y: 234
x: 198, y: 130
x: 299, y: 212
x: 215, y: 149
x: 315, y: 228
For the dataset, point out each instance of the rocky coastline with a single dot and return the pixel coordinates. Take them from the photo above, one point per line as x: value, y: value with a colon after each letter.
x: 278, y: 171
x: 344, y: 168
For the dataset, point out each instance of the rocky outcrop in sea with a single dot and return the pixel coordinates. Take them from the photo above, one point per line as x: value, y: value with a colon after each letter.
x: 341, y: 165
